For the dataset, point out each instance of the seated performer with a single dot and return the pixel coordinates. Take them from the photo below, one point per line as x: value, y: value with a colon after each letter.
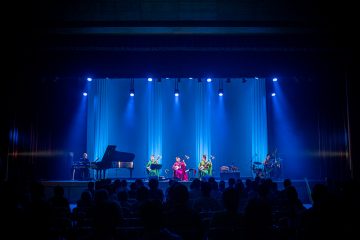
x: 267, y: 165
x: 83, y: 166
x: 153, y: 172
x: 205, y: 167
x: 179, y: 168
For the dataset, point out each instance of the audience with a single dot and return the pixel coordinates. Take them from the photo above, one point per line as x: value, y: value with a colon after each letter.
x: 254, y: 210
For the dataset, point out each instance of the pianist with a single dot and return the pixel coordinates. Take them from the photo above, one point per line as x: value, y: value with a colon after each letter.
x: 150, y: 169
x: 84, y: 165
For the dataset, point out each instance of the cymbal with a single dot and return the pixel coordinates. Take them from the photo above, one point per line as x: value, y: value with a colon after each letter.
x: 257, y: 163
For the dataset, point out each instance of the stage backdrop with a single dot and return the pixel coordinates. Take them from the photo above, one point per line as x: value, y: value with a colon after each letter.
x: 231, y: 128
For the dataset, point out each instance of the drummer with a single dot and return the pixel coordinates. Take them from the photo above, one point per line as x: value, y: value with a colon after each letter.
x: 267, y: 163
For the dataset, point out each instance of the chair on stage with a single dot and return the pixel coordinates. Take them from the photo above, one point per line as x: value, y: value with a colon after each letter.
x: 192, y: 173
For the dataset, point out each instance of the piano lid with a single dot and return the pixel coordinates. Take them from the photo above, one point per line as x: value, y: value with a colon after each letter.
x: 123, y: 156
x: 111, y: 156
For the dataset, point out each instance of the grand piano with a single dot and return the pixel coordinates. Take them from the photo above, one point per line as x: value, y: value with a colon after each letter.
x: 114, y: 159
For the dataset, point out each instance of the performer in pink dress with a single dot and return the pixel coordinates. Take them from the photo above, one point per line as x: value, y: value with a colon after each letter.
x: 179, y: 168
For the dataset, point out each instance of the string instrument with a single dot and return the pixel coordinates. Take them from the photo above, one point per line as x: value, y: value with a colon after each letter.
x: 156, y: 161
x: 207, y: 163
x: 181, y: 166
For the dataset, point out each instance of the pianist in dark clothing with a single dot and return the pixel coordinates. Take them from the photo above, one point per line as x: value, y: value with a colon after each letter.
x: 85, y: 165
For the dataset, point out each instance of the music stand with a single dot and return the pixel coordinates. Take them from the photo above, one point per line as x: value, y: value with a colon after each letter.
x: 155, y: 166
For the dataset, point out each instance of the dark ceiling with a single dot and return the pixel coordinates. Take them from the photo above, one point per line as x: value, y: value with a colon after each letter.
x: 110, y: 38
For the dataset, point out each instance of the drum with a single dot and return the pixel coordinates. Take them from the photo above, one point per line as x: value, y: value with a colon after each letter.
x: 224, y: 169
x: 258, y: 170
x: 259, y: 173
x: 257, y: 165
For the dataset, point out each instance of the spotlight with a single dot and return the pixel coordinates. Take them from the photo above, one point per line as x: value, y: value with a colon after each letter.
x: 132, y: 91
x: 221, y: 89
x: 209, y: 80
x: 176, y: 92
x: 150, y: 79
x: 273, y: 94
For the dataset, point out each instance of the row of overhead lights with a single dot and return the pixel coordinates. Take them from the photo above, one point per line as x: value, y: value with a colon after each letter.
x: 176, y: 91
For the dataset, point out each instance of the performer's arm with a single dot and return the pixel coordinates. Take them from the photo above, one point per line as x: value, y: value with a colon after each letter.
x: 148, y: 165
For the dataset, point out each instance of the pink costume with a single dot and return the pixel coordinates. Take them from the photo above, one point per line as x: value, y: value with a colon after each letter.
x: 180, y: 171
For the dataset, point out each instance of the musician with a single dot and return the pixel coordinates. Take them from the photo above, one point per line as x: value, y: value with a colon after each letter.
x: 205, y: 167
x: 84, y: 164
x: 152, y: 172
x: 267, y: 164
x: 179, y: 168
x: 272, y: 165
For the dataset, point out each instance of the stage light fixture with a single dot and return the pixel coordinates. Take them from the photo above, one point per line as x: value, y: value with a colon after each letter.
x: 177, y: 92
x: 221, y: 89
x: 132, y: 90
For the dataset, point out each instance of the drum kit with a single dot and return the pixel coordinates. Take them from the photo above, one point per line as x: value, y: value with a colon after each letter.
x: 258, y: 170
x: 261, y: 170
